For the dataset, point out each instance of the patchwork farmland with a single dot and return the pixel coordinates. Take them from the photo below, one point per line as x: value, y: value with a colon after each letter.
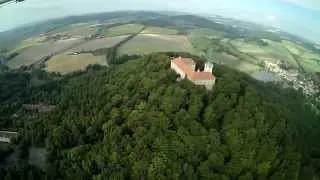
x: 76, y: 30
x: 35, y: 53
x: 99, y: 44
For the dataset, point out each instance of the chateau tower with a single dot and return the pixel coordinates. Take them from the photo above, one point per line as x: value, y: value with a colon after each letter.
x: 208, y: 67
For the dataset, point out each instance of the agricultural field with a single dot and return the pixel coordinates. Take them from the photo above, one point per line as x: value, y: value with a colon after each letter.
x: 35, y: 53
x: 294, y: 48
x: 76, y: 30
x: 98, y: 44
x: 249, y: 55
x: 223, y: 58
x: 274, y: 51
x: 310, y: 65
x: 208, y: 33
x: 123, y: 30
x: 226, y: 46
x: 310, y: 62
x: 233, y: 62
x: 285, y: 51
x: 30, y: 42
x: 201, y: 43
x: 64, y: 63
x: 148, y: 43
x: 159, y: 30
x: 202, y: 38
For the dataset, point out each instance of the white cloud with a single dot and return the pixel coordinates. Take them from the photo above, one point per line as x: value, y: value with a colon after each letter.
x: 271, y: 18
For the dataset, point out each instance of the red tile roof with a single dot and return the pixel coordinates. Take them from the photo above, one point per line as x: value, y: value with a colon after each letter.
x: 202, y: 76
x: 185, y: 64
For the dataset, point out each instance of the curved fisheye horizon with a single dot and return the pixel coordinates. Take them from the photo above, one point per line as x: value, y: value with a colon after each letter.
x: 298, y: 17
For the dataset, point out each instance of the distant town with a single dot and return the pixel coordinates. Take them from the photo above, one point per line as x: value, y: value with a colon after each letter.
x: 294, y: 78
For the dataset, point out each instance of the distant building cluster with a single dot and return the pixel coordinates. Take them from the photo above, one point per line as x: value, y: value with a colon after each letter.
x: 306, y: 84
x: 186, y: 68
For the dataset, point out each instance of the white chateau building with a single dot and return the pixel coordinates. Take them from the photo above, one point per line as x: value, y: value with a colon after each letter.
x: 185, y: 67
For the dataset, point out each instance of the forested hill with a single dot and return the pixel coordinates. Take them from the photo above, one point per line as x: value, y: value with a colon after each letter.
x: 135, y: 121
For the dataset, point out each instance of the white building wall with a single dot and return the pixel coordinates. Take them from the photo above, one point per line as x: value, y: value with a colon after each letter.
x: 178, y: 70
x: 209, y: 84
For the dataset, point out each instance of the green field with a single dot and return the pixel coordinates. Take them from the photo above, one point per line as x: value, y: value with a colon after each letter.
x: 123, y: 30
x: 294, y: 48
x: 201, y: 43
x: 159, y: 30
x: 65, y: 64
x: 233, y: 62
x: 30, y: 42
x: 223, y: 58
x: 274, y: 51
x: 76, y: 30
x: 310, y: 62
x: 252, y: 53
x: 226, y: 46
x: 148, y: 43
x: 209, y: 33
x: 98, y: 44
x: 202, y: 38
x: 35, y: 53
x: 310, y: 66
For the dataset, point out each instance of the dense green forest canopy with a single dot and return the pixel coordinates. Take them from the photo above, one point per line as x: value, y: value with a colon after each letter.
x: 133, y: 120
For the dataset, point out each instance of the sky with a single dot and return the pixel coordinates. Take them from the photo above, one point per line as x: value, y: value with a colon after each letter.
x: 300, y: 17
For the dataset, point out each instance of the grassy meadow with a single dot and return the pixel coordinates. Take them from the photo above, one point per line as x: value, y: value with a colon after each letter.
x: 65, y: 64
